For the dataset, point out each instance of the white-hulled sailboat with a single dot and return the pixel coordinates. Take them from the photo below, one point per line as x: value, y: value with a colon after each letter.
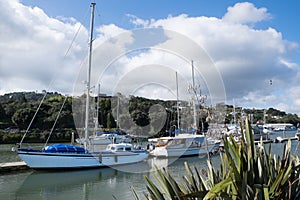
x: 184, y: 144
x: 62, y: 156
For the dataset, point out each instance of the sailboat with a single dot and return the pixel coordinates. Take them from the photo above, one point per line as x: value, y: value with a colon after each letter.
x: 64, y: 156
x: 105, y: 138
x: 184, y: 144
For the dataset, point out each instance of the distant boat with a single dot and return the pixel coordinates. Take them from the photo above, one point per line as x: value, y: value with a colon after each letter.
x: 103, y: 138
x: 61, y: 156
x: 260, y: 132
x: 184, y: 144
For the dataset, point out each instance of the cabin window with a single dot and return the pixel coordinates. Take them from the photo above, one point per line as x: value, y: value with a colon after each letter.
x: 120, y: 149
x: 162, y: 142
x: 127, y: 149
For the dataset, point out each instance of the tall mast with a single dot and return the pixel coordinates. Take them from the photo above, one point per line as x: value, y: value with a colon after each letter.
x: 97, y: 110
x: 88, y: 84
x: 234, y: 113
x: 193, y: 74
x: 194, y: 99
x: 118, y: 110
x: 178, y: 115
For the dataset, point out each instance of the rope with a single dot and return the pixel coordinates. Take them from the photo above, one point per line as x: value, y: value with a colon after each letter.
x: 54, y: 124
x: 34, y: 116
x: 33, y: 119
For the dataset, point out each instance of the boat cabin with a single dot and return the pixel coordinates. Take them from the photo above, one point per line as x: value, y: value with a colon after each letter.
x: 181, y: 141
x: 119, y: 147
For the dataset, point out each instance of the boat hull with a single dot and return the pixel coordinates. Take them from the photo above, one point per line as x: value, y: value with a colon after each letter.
x: 121, y: 158
x: 183, y: 152
x: 42, y: 160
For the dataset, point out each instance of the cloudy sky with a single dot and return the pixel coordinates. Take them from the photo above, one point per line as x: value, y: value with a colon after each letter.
x: 242, y: 51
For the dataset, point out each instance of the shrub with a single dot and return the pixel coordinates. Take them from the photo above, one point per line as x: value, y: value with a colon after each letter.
x: 247, y: 172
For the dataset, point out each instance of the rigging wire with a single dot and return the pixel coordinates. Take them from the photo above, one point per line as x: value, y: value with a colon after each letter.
x: 51, y: 82
x: 20, y: 144
x: 54, y: 124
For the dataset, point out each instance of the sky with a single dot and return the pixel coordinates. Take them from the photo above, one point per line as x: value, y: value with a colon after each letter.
x: 243, y: 52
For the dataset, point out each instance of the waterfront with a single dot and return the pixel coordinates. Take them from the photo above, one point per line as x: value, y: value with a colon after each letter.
x: 104, y: 183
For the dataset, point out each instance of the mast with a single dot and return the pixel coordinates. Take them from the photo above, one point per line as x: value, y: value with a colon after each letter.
x: 97, y: 110
x: 88, y: 84
x: 118, y: 110
x: 234, y: 113
x: 194, y: 99
x: 178, y: 120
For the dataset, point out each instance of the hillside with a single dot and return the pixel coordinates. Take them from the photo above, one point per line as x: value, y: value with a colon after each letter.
x: 18, y: 109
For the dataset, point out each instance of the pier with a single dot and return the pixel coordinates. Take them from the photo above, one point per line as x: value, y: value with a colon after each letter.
x: 277, y: 140
x: 13, y: 166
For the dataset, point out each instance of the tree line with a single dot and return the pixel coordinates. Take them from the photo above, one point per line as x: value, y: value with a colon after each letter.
x: 17, y: 111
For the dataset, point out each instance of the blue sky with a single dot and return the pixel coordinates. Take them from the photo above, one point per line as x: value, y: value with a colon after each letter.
x: 285, y: 14
x: 249, y: 43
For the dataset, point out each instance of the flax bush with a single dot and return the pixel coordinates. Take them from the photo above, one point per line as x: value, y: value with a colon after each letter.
x: 247, y: 172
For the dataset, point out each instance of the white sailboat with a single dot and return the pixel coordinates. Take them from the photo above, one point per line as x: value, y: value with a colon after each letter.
x: 104, y: 138
x: 184, y: 144
x: 61, y: 156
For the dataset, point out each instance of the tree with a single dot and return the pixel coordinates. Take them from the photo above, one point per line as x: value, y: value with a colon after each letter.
x: 2, y: 113
x: 110, y: 121
x: 22, y: 117
x: 275, y: 112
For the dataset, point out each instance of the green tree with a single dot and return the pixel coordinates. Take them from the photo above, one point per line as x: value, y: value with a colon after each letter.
x: 110, y: 121
x: 22, y: 117
x: 2, y: 113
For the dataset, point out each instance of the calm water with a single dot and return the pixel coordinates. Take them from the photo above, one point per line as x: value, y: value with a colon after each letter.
x: 104, y: 183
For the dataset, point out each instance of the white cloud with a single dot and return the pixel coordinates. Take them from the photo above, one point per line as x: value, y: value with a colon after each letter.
x: 291, y: 99
x: 288, y: 64
x: 33, y: 46
x: 246, y: 57
x: 245, y: 13
x: 138, y: 22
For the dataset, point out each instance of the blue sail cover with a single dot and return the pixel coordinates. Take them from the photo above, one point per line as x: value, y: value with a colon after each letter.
x: 63, y: 148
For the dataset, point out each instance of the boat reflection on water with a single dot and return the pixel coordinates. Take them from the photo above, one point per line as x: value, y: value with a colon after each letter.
x: 10, y: 183
x: 104, y: 183
x: 87, y: 184
x: 59, y: 185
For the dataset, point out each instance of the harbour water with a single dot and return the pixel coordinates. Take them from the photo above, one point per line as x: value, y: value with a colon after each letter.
x: 103, y: 183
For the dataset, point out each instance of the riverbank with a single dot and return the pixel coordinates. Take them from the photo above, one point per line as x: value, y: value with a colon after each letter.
x: 13, y: 136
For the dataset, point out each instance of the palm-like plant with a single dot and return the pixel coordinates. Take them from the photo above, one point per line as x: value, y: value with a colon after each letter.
x: 247, y: 172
